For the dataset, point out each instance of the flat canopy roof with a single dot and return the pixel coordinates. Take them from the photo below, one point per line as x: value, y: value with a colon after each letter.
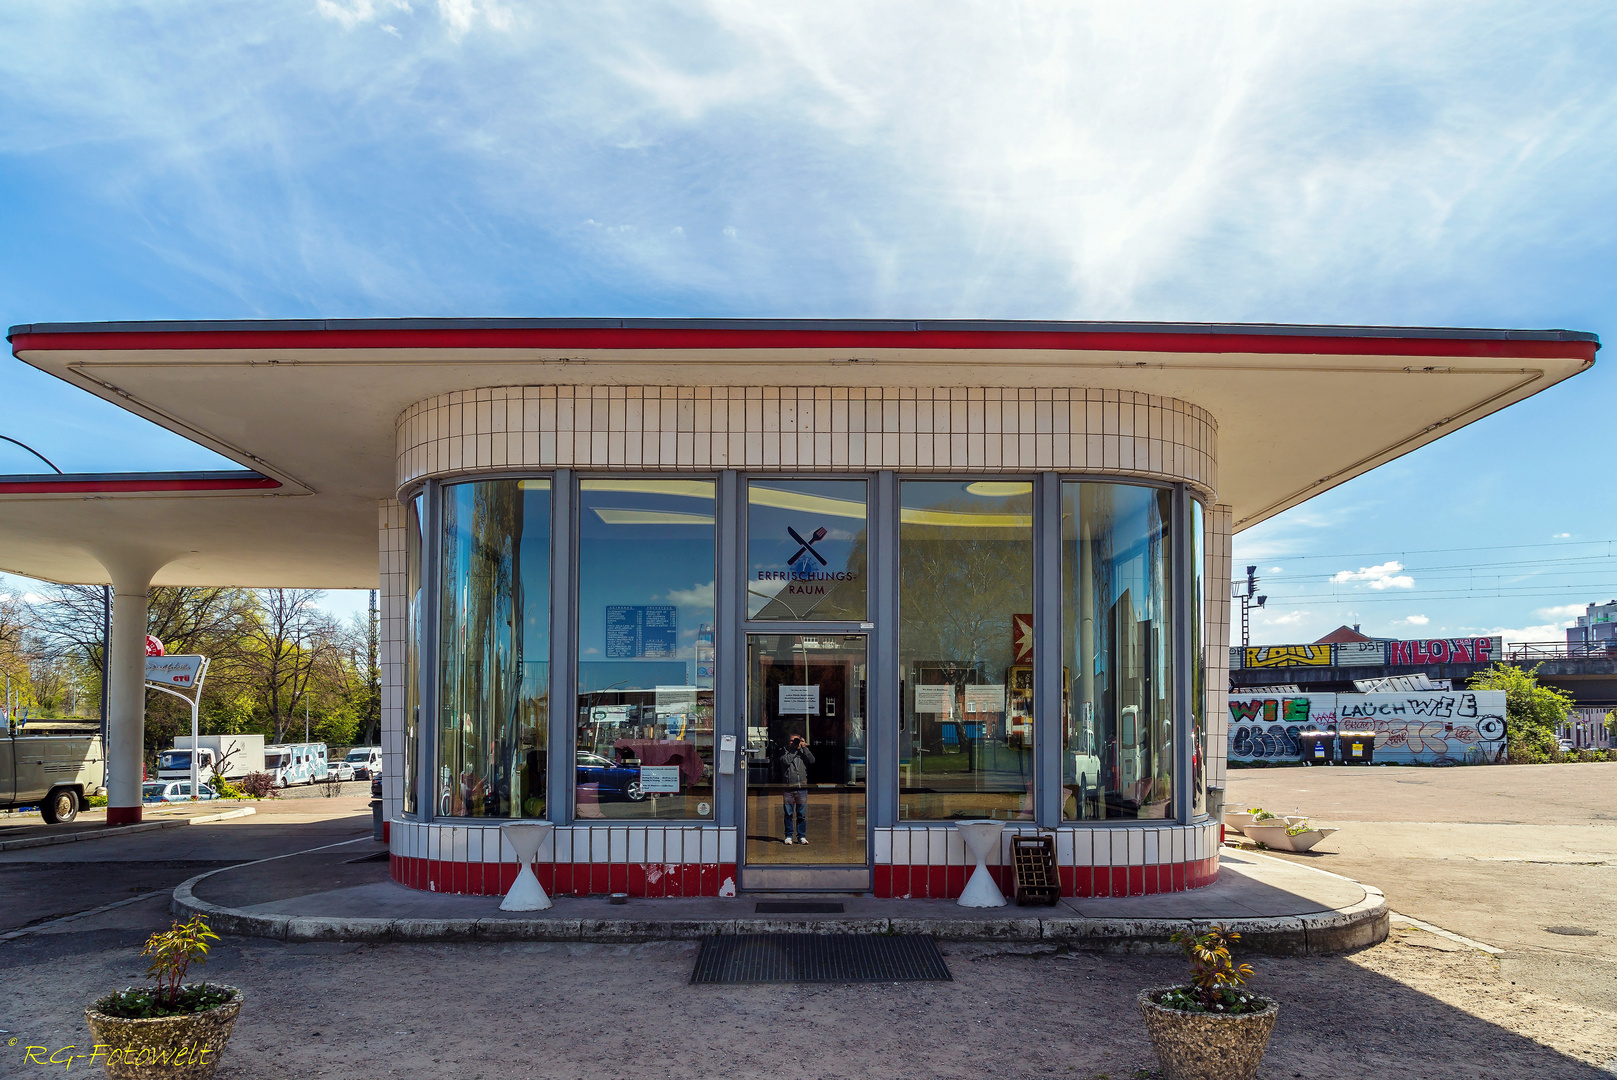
x: 309, y: 407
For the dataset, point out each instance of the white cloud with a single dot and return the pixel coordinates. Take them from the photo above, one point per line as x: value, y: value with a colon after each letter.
x: 351, y: 13
x: 1274, y: 570
x: 698, y: 596
x: 1563, y: 536
x: 1382, y: 576
x: 1290, y: 618
x: 1567, y: 612
x: 1415, y: 620
x: 1546, y: 632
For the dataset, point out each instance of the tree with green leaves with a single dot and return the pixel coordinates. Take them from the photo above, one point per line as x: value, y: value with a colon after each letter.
x: 1533, y: 711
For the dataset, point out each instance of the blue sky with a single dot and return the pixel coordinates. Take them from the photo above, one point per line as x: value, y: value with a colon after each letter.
x: 1396, y: 162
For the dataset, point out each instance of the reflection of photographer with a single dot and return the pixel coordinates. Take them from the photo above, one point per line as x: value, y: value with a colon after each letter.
x: 794, y: 763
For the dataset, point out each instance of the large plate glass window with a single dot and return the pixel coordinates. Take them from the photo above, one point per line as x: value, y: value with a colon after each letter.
x: 644, y: 736
x: 1117, y: 645
x: 494, y: 649
x: 412, y: 659
x: 806, y: 550
x: 965, y: 564
x: 1198, y: 661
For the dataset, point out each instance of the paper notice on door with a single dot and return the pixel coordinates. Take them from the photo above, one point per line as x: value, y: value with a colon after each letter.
x: 800, y: 701
x: 934, y: 699
x: 659, y: 779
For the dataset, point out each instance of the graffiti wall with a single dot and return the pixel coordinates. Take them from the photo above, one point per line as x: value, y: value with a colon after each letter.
x: 1457, y: 725
x: 1264, y: 727
x: 1412, y: 728
x: 1480, y: 651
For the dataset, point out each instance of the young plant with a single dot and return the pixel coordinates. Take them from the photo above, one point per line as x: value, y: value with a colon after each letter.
x: 1260, y: 814
x: 173, y: 951
x: 1216, y: 980
x: 1297, y: 828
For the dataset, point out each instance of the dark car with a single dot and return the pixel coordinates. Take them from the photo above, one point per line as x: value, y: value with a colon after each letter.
x: 610, y: 780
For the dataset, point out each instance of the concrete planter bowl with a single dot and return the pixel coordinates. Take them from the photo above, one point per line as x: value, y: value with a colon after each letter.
x: 167, y: 1047
x: 1206, y: 1046
x: 1273, y: 835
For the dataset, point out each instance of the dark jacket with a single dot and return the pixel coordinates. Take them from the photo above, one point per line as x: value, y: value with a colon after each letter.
x: 794, y: 763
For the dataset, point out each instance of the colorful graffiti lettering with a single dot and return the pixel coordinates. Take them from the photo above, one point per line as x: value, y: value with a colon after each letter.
x: 1254, y: 742
x: 1441, y: 651
x: 1288, y: 656
x: 1413, y: 727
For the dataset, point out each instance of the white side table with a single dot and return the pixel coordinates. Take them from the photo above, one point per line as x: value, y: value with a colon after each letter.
x: 981, y: 837
x: 526, y: 893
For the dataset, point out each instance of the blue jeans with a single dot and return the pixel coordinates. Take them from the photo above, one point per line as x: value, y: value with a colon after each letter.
x: 796, y: 801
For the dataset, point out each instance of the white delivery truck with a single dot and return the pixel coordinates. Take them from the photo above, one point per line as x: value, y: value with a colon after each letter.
x: 230, y: 756
x: 295, y: 763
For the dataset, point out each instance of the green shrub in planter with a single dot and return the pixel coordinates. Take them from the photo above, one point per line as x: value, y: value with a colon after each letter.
x: 170, y: 1030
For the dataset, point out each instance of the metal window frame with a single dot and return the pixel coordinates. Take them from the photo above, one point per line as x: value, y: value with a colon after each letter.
x: 879, y: 536
x: 894, y: 619
x: 1180, y: 719
x: 881, y: 627
x: 570, y: 615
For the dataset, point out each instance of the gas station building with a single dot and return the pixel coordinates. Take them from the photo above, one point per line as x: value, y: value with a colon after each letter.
x: 627, y: 567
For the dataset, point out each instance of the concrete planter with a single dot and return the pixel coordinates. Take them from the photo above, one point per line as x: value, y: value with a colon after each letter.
x: 1207, y: 1046
x: 168, y: 1047
x: 1273, y: 835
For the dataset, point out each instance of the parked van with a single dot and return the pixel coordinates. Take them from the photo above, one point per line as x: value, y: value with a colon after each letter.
x: 295, y: 763
x: 367, y: 762
x: 52, y: 765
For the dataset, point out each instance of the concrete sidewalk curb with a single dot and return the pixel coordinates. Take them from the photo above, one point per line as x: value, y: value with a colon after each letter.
x: 1365, y: 923
x: 121, y: 830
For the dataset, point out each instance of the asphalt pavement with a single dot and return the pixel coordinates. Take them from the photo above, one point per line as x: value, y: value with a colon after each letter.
x: 40, y: 884
x: 1520, y: 857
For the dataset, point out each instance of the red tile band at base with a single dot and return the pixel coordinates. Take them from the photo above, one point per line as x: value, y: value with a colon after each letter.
x: 654, y: 880
x: 123, y: 815
x: 921, y: 882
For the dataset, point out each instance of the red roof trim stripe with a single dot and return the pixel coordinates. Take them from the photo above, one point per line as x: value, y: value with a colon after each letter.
x: 629, y: 338
x: 56, y: 485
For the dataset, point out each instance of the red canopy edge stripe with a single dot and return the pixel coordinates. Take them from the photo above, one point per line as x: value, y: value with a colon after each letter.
x: 609, y: 338
x: 51, y: 485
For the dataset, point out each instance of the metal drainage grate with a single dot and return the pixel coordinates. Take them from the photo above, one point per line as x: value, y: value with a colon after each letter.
x: 819, y: 958
x: 798, y: 907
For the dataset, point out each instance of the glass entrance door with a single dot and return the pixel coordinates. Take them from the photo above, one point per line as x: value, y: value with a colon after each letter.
x: 806, y: 739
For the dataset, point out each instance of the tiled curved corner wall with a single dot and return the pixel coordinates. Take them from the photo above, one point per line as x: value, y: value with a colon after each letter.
x: 836, y: 429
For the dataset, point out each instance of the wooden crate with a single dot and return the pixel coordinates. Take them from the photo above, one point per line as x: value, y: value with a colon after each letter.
x: 1034, y: 858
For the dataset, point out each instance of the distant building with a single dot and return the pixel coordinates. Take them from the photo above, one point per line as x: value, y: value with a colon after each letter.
x: 1345, y: 634
x: 1597, y: 626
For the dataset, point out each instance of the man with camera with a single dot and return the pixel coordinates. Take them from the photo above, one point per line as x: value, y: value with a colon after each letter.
x: 794, y: 763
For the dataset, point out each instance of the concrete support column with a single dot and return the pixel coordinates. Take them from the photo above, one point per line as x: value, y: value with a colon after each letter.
x: 131, y: 572
x: 126, y: 720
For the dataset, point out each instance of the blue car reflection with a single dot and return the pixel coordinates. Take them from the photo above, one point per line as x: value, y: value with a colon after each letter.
x: 610, y: 780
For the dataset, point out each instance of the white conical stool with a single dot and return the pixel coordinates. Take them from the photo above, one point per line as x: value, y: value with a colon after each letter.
x: 981, y: 837
x: 525, y: 839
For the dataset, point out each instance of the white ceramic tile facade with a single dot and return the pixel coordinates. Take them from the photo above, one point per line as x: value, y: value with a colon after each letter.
x: 837, y: 429
x: 391, y: 539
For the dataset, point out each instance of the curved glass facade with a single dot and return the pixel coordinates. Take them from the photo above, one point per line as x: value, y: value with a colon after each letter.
x: 493, y: 649
x: 1118, y: 633
x: 959, y: 597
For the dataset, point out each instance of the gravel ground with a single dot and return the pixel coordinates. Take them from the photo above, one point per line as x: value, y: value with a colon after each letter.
x: 1416, y: 1007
